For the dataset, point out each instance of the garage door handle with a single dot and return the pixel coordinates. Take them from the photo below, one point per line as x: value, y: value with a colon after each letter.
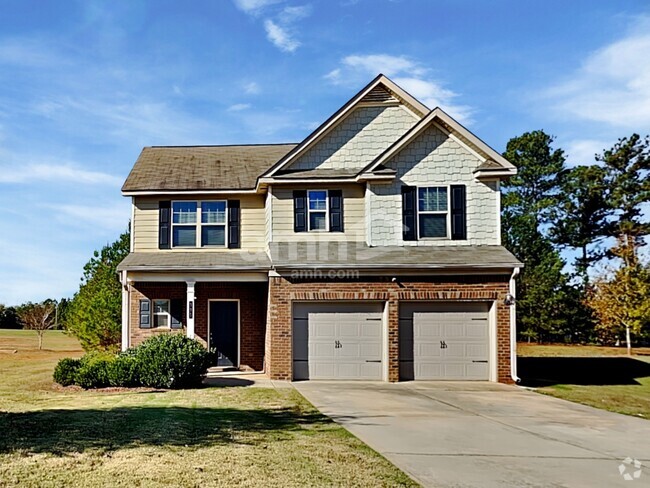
x: 373, y: 360
x: 481, y: 361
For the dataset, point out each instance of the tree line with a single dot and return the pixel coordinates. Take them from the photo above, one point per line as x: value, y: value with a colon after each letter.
x: 595, y: 211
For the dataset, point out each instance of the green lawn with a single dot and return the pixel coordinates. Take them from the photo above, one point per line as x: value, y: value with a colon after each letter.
x: 602, y: 377
x: 53, y: 436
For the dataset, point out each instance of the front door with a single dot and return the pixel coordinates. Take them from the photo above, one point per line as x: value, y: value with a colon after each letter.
x: 224, y: 333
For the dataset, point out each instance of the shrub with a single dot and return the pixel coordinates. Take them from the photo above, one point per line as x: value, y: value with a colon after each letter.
x: 171, y: 361
x: 93, y: 371
x: 66, y: 370
x: 165, y: 361
x: 123, y: 371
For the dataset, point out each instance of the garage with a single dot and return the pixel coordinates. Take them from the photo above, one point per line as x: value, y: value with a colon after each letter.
x: 448, y: 341
x: 341, y: 341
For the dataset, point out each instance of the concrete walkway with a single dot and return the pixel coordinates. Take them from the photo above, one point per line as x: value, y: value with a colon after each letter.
x: 487, y: 435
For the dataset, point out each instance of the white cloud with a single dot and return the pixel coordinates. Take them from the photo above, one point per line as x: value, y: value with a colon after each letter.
x: 254, y: 7
x: 19, y: 173
x: 280, y: 37
x: 583, y: 151
x: 252, y: 88
x: 113, y: 218
x: 295, y: 13
x: 280, y: 24
x: 612, y: 85
x: 406, y: 72
x: 238, y: 107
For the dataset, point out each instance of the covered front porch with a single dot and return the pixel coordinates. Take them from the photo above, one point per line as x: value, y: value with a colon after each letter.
x: 223, y: 309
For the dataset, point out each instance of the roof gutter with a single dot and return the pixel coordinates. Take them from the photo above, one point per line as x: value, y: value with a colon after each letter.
x: 413, y: 266
x: 513, y: 327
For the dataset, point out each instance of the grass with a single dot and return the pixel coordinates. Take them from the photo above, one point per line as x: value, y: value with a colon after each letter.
x: 53, y: 436
x: 601, y: 377
x: 559, y: 350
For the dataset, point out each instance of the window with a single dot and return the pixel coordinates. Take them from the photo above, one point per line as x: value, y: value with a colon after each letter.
x: 188, y: 230
x: 161, y: 315
x: 318, y: 210
x: 433, y: 211
x: 213, y: 223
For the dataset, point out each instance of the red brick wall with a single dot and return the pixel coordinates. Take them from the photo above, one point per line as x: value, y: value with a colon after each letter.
x: 284, y: 290
x: 252, y: 308
x: 152, y: 291
x: 252, y: 305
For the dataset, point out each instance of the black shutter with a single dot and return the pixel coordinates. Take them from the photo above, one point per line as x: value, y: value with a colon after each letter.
x: 145, y: 314
x: 408, y: 213
x: 164, y: 225
x: 234, y: 224
x: 300, y: 211
x: 176, y: 312
x: 336, y: 210
x: 458, y: 213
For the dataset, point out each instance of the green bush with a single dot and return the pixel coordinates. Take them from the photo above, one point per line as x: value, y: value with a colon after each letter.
x: 123, y: 371
x: 164, y: 361
x: 66, y: 370
x: 171, y: 361
x: 93, y: 371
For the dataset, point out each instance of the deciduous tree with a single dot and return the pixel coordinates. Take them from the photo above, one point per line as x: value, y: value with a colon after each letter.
x: 38, y: 317
x: 621, y: 300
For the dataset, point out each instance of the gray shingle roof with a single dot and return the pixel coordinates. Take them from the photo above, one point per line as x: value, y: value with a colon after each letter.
x: 195, y: 261
x: 359, y: 255
x: 202, y: 167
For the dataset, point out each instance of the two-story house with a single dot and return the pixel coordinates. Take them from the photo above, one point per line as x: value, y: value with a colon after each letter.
x: 370, y: 250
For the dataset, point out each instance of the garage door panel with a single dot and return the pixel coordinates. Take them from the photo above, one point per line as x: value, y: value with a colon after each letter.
x: 477, y: 351
x: 320, y: 351
x: 428, y: 370
x: 427, y: 350
x: 477, y: 370
x: 321, y: 369
x: 444, y: 340
x: 477, y: 330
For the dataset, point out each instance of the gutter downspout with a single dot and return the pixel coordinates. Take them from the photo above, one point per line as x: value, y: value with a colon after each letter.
x: 513, y: 327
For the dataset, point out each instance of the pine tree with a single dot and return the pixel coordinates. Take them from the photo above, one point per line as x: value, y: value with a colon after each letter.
x: 94, y: 315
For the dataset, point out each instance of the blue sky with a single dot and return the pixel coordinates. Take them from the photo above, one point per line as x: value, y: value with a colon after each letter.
x: 84, y: 85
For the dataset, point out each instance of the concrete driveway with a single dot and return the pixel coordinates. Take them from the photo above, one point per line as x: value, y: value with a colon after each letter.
x: 482, y: 434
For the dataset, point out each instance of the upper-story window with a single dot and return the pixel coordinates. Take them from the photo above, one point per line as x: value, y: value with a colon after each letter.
x: 199, y: 224
x: 433, y: 211
x: 318, y: 210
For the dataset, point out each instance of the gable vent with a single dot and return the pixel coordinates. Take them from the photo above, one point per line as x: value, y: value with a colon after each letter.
x: 379, y: 94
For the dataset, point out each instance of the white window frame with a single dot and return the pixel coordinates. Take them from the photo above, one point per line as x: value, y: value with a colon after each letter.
x: 155, y: 314
x: 327, y: 212
x: 429, y: 212
x: 198, y: 224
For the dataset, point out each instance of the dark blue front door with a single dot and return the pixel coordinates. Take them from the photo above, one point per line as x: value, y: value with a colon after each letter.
x: 224, y: 336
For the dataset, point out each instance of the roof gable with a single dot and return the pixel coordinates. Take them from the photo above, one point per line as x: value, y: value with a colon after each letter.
x: 380, y: 94
x: 490, y: 160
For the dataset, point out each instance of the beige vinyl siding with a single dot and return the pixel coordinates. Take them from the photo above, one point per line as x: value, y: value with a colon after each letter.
x: 354, y: 226
x: 253, y: 226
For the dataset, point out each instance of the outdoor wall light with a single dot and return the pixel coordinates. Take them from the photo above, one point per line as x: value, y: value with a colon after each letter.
x: 509, y: 300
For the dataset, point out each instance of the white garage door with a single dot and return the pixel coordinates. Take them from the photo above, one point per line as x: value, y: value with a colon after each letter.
x: 444, y: 341
x: 337, y: 341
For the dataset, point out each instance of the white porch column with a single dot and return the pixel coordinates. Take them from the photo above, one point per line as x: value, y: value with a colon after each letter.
x: 191, y: 312
x: 125, y: 310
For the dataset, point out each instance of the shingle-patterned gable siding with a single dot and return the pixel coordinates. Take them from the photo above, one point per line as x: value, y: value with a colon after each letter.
x: 358, y: 139
x: 433, y: 159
